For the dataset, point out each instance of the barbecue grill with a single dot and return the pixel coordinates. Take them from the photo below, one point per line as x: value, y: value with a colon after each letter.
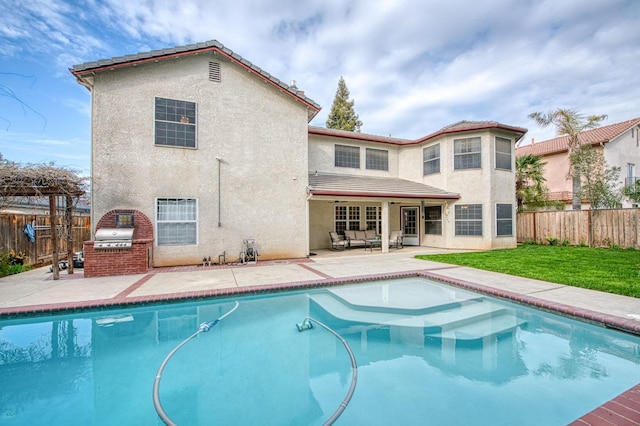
x: 113, y: 238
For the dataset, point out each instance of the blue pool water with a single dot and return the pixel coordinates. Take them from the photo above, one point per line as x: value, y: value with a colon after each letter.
x: 427, y: 353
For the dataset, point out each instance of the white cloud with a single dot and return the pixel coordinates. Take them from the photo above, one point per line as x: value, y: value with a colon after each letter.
x: 411, y: 66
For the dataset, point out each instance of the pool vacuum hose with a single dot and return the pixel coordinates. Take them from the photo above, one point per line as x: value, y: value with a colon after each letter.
x: 306, y: 325
x: 204, y: 327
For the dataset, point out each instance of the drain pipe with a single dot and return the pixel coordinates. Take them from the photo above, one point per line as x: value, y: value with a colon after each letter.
x: 219, y: 186
x: 204, y: 327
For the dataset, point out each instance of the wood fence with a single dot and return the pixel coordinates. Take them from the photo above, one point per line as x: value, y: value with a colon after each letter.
x: 12, y: 236
x: 596, y: 228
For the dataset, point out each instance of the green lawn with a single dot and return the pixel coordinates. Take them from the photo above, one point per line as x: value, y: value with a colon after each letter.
x: 613, y: 271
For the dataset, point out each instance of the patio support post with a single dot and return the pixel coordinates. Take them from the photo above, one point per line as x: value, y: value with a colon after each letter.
x: 54, y: 237
x: 68, y: 218
x: 385, y: 227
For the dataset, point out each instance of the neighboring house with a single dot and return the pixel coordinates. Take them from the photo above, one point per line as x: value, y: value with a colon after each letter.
x: 619, y: 143
x: 214, y: 150
x: 40, y: 206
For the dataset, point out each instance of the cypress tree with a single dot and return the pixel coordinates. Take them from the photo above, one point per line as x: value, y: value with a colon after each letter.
x: 342, y: 115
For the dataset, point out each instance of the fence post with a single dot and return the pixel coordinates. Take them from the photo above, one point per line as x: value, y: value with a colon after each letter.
x: 590, y: 226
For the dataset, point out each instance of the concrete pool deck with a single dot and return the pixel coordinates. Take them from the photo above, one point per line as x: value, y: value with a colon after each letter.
x: 35, y: 292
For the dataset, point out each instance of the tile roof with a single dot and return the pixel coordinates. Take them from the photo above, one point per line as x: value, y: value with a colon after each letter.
x: 464, y: 126
x: 598, y: 135
x: 461, y: 126
x: 345, y: 134
x: 211, y: 45
x: 369, y: 186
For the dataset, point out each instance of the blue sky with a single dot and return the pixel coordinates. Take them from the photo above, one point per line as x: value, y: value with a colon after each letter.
x: 411, y: 66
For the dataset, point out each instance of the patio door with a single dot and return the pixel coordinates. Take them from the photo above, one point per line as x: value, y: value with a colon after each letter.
x: 410, y: 225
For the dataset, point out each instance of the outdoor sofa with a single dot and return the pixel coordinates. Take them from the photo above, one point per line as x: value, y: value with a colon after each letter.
x: 351, y: 239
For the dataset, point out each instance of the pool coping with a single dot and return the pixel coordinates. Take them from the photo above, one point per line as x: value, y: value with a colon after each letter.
x: 123, y: 299
x: 622, y: 410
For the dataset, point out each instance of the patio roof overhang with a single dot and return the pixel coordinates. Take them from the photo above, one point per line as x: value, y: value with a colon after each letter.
x: 331, y: 186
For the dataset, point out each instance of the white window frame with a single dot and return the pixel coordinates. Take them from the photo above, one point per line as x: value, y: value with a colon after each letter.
x: 182, y: 214
x: 373, y: 216
x: 350, y: 220
x: 502, y: 156
x: 465, y: 153
x: 185, y: 125
x: 434, y: 161
x: 346, y: 159
x: 429, y: 220
x: 376, y: 159
x: 466, y: 220
x: 504, y: 219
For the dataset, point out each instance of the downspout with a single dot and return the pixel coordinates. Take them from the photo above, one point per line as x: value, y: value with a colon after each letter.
x: 219, y: 196
x: 309, y: 197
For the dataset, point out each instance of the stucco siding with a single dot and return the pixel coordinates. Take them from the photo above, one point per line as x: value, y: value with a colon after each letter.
x: 322, y: 157
x: 556, y: 172
x: 622, y: 151
x: 254, y: 129
x: 486, y: 186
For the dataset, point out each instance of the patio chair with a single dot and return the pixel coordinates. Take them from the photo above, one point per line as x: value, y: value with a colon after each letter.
x: 395, y: 239
x: 338, y: 242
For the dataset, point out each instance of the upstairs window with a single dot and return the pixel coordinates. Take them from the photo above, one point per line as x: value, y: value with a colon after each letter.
x: 466, y: 154
x: 347, y: 156
x: 377, y: 159
x: 431, y: 159
x: 175, y: 123
x: 503, y: 153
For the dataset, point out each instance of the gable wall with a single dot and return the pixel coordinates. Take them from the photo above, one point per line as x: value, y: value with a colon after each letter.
x: 253, y: 127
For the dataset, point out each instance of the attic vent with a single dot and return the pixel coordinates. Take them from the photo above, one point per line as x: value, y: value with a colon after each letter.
x: 214, y: 71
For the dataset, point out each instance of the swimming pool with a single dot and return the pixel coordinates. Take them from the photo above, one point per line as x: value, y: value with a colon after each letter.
x: 427, y: 353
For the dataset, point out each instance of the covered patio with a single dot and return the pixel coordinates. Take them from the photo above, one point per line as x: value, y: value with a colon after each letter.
x: 339, y: 202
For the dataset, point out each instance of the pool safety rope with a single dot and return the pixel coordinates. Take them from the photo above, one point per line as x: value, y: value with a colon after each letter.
x: 204, y: 327
x: 307, y: 325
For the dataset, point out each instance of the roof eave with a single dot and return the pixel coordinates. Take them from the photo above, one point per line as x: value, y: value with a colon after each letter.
x: 321, y: 131
x: 314, y: 108
x: 384, y: 195
x: 518, y: 130
x: 563, y: 150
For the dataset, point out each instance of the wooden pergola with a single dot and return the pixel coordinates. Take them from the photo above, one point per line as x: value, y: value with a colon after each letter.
x: 45, y: 180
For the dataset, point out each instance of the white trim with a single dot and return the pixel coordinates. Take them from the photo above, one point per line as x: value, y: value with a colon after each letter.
x: 157, y: 221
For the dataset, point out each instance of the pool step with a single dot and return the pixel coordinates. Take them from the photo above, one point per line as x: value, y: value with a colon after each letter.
x: 469, y: 319
x: 481, y: 328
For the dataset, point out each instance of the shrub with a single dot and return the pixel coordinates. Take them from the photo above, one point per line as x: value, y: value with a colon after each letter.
x: 565, y: 243
x: 529, y: 242
x: 11, y: 263
x: 553, y: 241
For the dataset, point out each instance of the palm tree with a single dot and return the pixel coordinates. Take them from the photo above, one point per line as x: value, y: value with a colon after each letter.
x: 530, y: 189
x: 569, y: 122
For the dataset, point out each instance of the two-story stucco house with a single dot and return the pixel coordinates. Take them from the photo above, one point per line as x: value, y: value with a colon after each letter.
x: 212, y: 150
x: 618, y: 142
